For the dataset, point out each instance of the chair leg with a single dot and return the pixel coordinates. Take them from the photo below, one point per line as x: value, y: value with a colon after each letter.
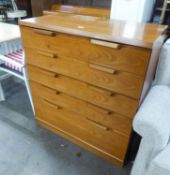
x: 165, y: 4
x: 3, y: 77
x: 28, y: 88
x: 2, y: 96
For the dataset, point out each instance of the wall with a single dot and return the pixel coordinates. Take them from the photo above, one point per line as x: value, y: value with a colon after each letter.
x: 39, y: 5
x: 132, y: 10
x: 25, y: 5
x: 93, y: 3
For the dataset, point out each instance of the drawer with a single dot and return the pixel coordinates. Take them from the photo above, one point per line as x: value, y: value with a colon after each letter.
x: 94, y: 135
x: 116, y: 81
x: 94, y: 113
x: 120, y: 57
x: 113, y: 102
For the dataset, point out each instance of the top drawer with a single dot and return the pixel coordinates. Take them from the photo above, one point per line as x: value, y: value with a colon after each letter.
x: 120, y: 57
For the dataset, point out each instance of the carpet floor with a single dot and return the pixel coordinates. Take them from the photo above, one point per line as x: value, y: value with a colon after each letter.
x: 28, y: 149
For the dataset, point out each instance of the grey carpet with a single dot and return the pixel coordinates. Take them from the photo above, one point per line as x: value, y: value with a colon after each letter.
x: 28, y: 149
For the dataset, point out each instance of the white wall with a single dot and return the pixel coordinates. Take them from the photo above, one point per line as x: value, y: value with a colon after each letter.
x: 148, y: 9
x: 132, y: 10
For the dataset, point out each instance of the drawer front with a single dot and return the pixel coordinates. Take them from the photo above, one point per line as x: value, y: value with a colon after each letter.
x: 114, y: 144
x: 113, y: 102
x: 96, y: 114
x: 120, y: 82
x: 120, y: 57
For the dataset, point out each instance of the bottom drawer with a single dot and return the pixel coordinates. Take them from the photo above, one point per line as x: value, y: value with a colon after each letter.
x: 104, y: 142
x: 99, y: 115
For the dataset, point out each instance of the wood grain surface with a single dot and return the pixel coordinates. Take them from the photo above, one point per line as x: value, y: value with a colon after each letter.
x: 137, y: 34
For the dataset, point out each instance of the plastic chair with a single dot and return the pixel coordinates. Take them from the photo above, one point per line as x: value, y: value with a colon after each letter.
x: 15, y: 13
x: 13, y: 62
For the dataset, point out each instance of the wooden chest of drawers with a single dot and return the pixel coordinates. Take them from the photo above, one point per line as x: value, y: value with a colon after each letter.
x: 87, y: 81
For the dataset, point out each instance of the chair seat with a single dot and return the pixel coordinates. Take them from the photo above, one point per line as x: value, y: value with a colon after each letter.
x: 17, y: 14
x: 5, y: 68
x: 17, y: 57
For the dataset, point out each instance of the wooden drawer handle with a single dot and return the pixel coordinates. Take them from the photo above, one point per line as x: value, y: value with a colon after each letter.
x: 103, y: 69
x: 51, y: 74
x: 45, y: 32
x: 98, y: 125
x: 57, y: 92
x: 51, y: 104
x: 107, y: 93
x: 96, y: 108
x: 105, y: 43
x: 51, y: 55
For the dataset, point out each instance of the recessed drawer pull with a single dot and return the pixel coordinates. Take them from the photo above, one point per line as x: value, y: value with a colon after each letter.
x: 96, y: 108
x: 45, y: 32
x: 103, y: 69
x: 51, y: 104
x: 98, y: 124
x: 105, y: 43
x: 108, y: 93
x: 43, y: 72
x: 51, y: 74
x: 51, y: 55
x: 57, y: 93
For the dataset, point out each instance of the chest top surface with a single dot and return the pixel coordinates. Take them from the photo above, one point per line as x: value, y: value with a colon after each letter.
x: 138, y: 34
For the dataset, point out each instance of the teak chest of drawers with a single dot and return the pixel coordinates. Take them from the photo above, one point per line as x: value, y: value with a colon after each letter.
x: 88, y: 76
